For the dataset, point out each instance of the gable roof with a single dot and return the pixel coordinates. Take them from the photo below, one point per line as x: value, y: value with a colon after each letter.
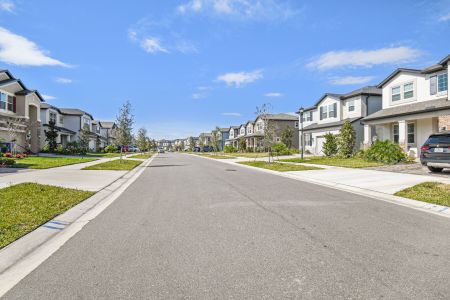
x: 444, y: 60
x: 280, y: 117
x: 398, y: 71
x: 367, y: 90
x: 107, y: 124
x: 27, y: 92
x: 24, y: 91
x: 74, y: 112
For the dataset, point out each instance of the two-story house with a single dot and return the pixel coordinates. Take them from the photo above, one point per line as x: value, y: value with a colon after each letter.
x: 416, y: 103
x: 277, y: 123
x: 205, y: 138
x: 52, y: 113
x: 233, y: 133
x: 331, y: 111
x: 75, y: 120
x: 222, y: 137
x: 19, y: 115
x: 108, y: 132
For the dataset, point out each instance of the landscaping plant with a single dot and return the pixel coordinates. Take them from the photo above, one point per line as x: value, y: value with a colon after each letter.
x: 229, y: 149
x: 50, y: 136
x: 286, y: 137
x: 385, y: 152
x: 330, y: 147
x: 346, y: 140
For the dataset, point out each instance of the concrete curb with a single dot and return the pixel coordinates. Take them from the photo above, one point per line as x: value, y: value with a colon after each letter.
x: 439, y: 210
x: 22, y: 256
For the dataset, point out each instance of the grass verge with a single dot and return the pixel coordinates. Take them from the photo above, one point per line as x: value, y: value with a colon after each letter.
x: 142, y: 155
x: 42, y: 162
x: 26, y: 206
x: 278, y: 166
x: 352, y: 162
x: 216, y: 156
x: 116, y: 165
x: 431, y: 192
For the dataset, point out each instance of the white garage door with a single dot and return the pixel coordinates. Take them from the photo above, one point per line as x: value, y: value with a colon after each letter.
x: 319, y: 145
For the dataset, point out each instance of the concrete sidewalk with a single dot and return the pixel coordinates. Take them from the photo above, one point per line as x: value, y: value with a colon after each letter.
x: 70, y: 176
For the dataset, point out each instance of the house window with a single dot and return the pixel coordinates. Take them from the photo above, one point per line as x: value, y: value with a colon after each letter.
x: 249, y: 130
x: 411, y: 133
x: 242, y: 131
x: 52, y: 117
x: 442, y: 82
x: 324, y: 112
x: 396, y: 93
x: 308, y: 139
x: 307, y: 116
x: 10, y: 103
x: 277, y: 139
x: 61, y: 119
x: 3, y: 101
x: 332, y: 110
x: 259, y: 126
x: 395, y: 132
x: 351, y: 105
x: 408, y: 90
x: 296, y: 124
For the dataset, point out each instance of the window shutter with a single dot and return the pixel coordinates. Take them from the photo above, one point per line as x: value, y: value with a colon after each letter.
x: 321, y: 112
x: 335, y: 109
x: 14, y: 104
x: 311, y: 116
x: 433, y: 85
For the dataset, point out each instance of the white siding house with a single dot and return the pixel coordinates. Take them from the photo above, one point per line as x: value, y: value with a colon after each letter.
x: 415, y: 103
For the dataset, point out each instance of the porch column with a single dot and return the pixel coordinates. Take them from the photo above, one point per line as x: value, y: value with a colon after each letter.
x: 402, y: 135
x: 367, y: 136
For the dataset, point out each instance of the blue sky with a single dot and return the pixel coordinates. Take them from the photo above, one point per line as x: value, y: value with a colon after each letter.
x: 189, y: 65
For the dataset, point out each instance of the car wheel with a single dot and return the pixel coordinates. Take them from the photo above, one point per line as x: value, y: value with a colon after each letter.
x: 435, y: 170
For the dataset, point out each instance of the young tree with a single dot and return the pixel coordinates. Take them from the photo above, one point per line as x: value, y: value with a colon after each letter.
x: 191, y: 144
x: 85, y: 135
x: 51, y: 135
x: 125, y: 121
x: 329, y: 147
x: 242, y: 144
x: 215, y: 138
x: 347, y: 140
x: 263, y: 113
x: 141, y: 139
x: 286, y: 136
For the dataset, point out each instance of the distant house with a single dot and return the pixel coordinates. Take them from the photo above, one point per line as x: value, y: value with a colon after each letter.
x: 331, y: 111
x: 52, y: 113
x: 75, y: 120
x: 205, y: 138
x: 415, y: 104
x: 108, y: 131
x: 233, y: 133
x: 164, y: 144
x: 222, y: 137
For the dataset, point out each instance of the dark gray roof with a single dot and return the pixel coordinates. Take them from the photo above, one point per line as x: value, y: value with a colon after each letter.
x: 367, y: 90
x: 433, y: 68
x: 74, y: 112
x: 107, y: 124
x: 445, y: 59
x: 62, y: 129
x: 329, y: 125
x: 282, y: 117
x: 409, y: 109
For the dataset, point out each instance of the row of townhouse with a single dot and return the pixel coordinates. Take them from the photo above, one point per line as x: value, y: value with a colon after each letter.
x: 406, y: 107
x: 25, y: 117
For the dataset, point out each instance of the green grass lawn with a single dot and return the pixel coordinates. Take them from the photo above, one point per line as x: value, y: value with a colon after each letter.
x: 278, y: 166
x: 142, y: 155
x: 26, y: 206
x: 352, y: 162
x: 116, y: 165
x: 104, y: 155
x: 431, y: 192
x: 41, y: 162
x: 215, y: 155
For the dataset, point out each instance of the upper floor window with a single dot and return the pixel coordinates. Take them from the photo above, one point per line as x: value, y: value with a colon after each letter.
x: 52, y: 117
x: 351, y: 105
x: 7, y: 102
x: 61, y: 119
x: 307, y: 116
x: 3, y: 100
x: 242, y: 131
x: 395, y: 93
x: 328, y: 111
x: 408, y: 90
x: 259, y: 126
x: 442, y: 82
x: 249, y: 130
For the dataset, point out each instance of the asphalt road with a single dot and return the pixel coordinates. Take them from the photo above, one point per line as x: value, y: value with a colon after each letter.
x: 191, y: 228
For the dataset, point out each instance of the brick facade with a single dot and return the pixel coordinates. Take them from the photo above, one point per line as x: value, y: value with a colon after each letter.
x: 444, y: 123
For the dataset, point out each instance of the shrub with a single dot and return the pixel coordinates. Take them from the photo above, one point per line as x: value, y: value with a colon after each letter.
x: 75, y: 148
x: 45, y: 149
x: 229, y: 149
x: 385, y: 152
x: 346, y: 140
x: 280, y: 149
x: 6, y: 162
x: 8, y: 155
x: 111, y: 149
x: 20, y: 156
x: 330, y: 145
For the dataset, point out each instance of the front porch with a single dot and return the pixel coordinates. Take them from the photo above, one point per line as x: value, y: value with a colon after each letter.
x: 410, y: 132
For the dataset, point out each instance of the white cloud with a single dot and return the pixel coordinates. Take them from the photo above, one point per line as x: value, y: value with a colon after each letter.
x: 63, y: 80
x: 240, y: 78
x: 231, y: 114
x: 7, y: 5
x: 186, y: 47
x: 349, y: 80
x: 18, y: 50
x: 48, y: 97
x: 245, y: 9
x: 153, y: 45
x: 202, y: 92
x: 364, y: 58
x: 132, y: 35
x: 445, y: 18
x: 273, y: 94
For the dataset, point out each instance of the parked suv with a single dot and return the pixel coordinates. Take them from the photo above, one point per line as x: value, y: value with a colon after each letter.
x: 435, y: 153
